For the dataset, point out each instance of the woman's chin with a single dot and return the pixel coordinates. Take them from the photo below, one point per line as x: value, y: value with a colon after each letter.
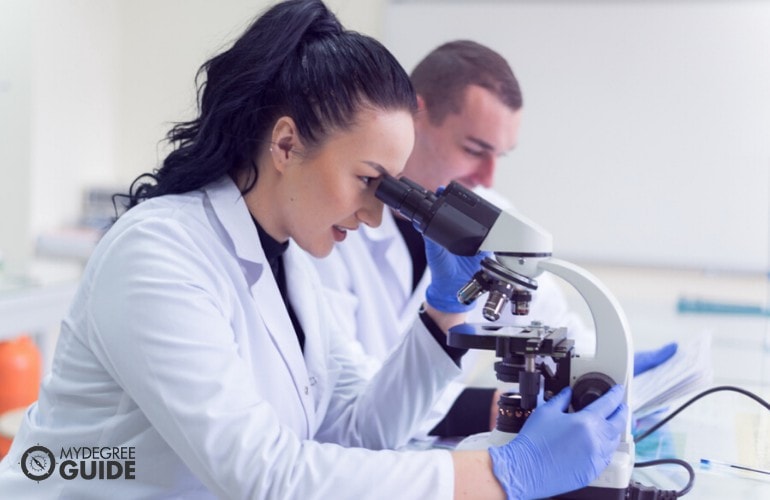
x: 319, y: 250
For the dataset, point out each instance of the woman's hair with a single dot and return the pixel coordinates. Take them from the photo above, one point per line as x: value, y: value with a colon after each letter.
x: 443, y: 75
x: 294, y: 60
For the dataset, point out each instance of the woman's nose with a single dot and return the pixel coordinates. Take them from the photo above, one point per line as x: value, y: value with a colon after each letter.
x: 371, y: 212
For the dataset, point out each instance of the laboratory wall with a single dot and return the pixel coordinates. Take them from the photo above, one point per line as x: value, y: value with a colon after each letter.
x: 57, y: 114
x: 645, y: 137
x: 644, y: 140
x: 163, y: 45
x: 15, y: 70
x: 88, y: 89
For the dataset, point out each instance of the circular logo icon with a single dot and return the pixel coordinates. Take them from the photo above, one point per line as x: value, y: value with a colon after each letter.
x: 38, y: 463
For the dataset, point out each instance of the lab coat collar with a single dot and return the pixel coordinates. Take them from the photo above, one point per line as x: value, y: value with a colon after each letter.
x: 389, y: 251
x: 230, y: 208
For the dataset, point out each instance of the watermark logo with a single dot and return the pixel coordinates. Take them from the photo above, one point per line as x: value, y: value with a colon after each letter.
x: 38, y: 463
x: 106, y: 462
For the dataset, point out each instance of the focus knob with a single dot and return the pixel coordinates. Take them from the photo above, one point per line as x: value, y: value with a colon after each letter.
x: 588, y: 388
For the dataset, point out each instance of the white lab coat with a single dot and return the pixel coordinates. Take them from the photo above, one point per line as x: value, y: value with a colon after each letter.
x: 368, y: 278
x: 178, y: 344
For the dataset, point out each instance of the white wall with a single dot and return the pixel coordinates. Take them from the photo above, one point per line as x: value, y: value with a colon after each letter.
x: 161, y: 48
x: 15, y: 70
x: 88, y: 89
x: 163, y: 45
x: 73, y: 85
x: 646, y: 129
x: 56, y: 114
x: 667, y: 166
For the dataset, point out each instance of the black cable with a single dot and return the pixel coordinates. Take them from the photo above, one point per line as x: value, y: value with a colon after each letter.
x: 638, y: 491
x: 684, y: 464
x: 697, y: 397
x: 675, y: 461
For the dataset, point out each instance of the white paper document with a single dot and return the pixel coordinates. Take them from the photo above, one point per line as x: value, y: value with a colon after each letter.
x: 687, y: 372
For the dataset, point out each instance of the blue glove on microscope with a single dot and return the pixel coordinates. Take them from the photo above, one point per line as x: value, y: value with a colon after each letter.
x: 449, y: 273
x: 644, y: 360
x: 557, y: 452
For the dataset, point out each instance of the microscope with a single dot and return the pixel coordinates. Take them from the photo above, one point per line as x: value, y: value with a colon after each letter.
x: 537, y: 357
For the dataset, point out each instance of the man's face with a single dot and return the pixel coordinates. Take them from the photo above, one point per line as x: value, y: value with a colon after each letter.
x: 466, y: 146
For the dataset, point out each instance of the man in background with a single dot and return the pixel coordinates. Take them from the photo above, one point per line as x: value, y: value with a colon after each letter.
x: 470, y: 107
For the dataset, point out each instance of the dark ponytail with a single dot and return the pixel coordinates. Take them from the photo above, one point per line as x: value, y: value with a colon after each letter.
x: 294, y: 60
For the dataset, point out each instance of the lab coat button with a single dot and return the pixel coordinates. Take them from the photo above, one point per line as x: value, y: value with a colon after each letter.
x: 307, y: 390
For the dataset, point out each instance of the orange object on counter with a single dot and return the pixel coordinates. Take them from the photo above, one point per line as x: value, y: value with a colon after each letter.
x: 20, y: 375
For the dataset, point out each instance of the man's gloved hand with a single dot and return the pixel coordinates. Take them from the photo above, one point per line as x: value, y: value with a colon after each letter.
x: 449, y: 273
x: 644, y: 360
x: 557, y: 452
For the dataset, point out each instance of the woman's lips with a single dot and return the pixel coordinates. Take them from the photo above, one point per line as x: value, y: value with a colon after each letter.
x: 339, y: 233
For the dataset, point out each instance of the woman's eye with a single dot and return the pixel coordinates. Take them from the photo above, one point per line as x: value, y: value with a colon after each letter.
x: 366, y: 180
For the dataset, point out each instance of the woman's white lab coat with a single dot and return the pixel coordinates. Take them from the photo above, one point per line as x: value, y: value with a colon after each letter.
x: 178, y: 345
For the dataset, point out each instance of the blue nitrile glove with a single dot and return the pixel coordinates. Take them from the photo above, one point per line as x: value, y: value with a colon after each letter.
x: 644, y: 360
x: 449, y: 273
x: 557, y: 452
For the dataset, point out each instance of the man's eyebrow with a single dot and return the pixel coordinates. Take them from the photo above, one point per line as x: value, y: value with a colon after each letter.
x: 379, y: 168
x: 480, y: 143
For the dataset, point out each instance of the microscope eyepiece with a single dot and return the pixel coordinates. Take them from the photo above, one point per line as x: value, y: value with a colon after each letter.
x: 456, y: 218
x: 406, y: 197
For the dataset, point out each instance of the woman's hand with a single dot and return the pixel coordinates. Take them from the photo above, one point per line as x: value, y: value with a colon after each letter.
x: 556, y: 451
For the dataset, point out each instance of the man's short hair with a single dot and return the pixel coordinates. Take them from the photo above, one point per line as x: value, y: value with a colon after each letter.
x: 443, y: 75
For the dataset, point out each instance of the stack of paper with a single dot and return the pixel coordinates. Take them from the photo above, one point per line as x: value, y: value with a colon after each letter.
x: 685, y: 373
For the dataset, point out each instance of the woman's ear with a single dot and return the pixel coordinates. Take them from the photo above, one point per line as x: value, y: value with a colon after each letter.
x: 284, y: 141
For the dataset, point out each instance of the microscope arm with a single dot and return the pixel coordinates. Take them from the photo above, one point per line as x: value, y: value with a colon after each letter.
x: 614, y: 348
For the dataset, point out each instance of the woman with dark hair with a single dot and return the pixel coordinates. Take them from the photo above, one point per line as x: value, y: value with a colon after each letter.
x: 199, y: 359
